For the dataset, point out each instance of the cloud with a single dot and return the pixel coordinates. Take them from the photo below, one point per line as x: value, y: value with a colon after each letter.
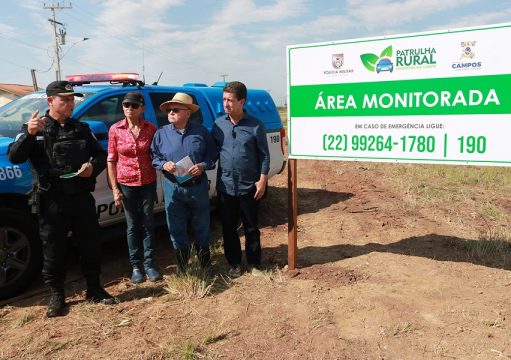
x: 32, y: 5
x: 478, y: 19
x: 380, y: 13
x: 7, y: 31
x: 247, y: 12
x: 121, y: 17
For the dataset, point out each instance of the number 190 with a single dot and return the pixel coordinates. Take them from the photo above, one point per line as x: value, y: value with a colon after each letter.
x: 472, y: 144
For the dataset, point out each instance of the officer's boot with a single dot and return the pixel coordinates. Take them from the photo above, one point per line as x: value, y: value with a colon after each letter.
x: 96, y: 293
x: 204, y: 256
x: 182, y: 256
x: 57, y: 303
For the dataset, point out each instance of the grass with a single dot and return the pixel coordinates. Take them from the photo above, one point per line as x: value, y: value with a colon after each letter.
x: 448, y: 177
x: 194, y: 283
x: 51, y: 346
x: 272, y: 276
x: 487, y: 247
x: 189, y: 285
x: 492, y: 212
x: 187, y: 351
x: 213, y: 338
x: 401, y: 329
x: 494, y: 323
x: 463, y: 194
x: 23, y: 319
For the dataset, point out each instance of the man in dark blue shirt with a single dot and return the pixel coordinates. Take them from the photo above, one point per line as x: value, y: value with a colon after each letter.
x: 183, y: 151
x: 242, y: 176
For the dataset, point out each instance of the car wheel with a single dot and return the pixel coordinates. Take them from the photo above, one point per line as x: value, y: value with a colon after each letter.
x: 20, y: 251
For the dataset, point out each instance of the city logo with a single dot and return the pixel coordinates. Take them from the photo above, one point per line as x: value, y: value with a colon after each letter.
x: 467, y: 54
x: 466, y: 47
x: 375, y: 63
x: 337, y: 60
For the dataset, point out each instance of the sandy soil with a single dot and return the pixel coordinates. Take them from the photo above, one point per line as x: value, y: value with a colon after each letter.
x: 378, y: 278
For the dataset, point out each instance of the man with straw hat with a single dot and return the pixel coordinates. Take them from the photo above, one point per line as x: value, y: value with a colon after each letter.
x: 183, y: 151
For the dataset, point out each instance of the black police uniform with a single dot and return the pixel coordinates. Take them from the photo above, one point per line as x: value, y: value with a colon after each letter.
x: 64, y: 204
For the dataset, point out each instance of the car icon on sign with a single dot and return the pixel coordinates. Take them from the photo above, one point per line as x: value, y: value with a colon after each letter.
x: 384, y: 64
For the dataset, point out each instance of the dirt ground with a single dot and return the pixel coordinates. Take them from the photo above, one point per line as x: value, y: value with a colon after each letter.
x: 380, y: 277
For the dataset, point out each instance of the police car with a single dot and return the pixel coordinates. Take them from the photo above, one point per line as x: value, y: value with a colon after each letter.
x: 101, y: 106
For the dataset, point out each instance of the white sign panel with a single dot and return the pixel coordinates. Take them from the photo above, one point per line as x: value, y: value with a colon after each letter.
x: 438, y: 97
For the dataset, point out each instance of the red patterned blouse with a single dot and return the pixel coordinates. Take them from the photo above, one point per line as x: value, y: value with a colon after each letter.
x: 132, y: 155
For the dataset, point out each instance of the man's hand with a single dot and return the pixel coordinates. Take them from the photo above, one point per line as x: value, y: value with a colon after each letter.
x: 260, y: 187
x: 118, y: 196
x: 86, y: 170
x: 196, y: 170
x: 169, y: 167
x: 35, y: 124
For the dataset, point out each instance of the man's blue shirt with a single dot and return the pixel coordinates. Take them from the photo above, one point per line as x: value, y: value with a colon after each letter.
x: 196, y: 142
x: 243, y: 151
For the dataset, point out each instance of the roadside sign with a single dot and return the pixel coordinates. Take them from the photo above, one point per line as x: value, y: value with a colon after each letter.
x: 437, y: 97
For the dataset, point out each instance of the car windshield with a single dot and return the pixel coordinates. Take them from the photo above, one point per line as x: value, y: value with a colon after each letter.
x: 385, y: 62
x: 15, y: 113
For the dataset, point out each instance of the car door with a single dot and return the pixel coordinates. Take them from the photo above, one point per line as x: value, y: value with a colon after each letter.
x: 107, y: 110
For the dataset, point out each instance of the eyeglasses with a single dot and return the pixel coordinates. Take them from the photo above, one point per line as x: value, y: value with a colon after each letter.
x: 133, y: 106
x: 175, y: 110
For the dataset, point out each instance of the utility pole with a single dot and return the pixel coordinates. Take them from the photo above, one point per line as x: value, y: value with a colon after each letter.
x: 223, y: 76
x: 34, y: 79
x: 60, y: 36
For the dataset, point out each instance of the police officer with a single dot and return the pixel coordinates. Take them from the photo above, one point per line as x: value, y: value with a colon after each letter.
x: 57, y: 145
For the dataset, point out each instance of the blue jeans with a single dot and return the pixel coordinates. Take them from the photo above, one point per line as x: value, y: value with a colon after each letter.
x: 187, y: 205
x: 138, y: 206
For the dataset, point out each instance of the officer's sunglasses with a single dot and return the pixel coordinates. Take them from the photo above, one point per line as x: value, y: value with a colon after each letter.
x: 133, y: 106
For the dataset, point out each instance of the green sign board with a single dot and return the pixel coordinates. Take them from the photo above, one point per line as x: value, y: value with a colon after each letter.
x: 438, y: 97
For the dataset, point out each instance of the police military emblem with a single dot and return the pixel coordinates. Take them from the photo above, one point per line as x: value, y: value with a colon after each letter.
x: 337, y: 60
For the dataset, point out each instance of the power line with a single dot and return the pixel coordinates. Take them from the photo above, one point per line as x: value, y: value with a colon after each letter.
x: 16, y: 40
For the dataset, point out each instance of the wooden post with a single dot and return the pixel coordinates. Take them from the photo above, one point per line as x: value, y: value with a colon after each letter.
x: 292, y: 215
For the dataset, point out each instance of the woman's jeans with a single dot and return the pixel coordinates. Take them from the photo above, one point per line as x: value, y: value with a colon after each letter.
x: 187, y: 205
x: 138, y: 203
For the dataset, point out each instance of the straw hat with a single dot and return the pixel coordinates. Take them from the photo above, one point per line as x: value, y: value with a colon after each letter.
x: 180, y: 98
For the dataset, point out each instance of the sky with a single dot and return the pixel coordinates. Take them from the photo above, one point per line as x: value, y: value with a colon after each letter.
x: 205, y: 41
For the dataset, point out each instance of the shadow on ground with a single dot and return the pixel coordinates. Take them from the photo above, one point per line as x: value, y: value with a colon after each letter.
x: 274, y: 208
x: 431, y: 246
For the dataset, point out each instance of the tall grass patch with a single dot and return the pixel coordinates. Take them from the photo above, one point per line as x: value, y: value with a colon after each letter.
x: 194, y: 282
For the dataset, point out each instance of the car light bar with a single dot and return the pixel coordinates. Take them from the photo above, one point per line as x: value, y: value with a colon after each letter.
x: 105, y: 77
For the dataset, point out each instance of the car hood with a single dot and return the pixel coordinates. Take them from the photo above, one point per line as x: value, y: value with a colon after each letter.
x: 4, y: 143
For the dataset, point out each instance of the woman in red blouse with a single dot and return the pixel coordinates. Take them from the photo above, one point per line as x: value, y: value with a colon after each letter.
x: 133, y: 180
